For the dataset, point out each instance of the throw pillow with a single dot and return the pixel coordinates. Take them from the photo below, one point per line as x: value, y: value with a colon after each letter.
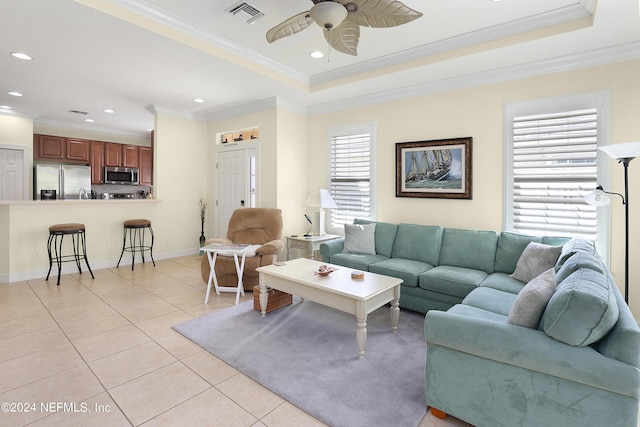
x: 532, y: 300
x: 583, y: 309
x: 359, y: 239
x: 535, y: 259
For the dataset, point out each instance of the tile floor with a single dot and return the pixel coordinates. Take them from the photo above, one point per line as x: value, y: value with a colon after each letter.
x: 102, y: 352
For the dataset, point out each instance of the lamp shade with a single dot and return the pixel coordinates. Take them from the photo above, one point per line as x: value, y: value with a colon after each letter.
x: 320, y: 198
x: 328, y: 14
x: 625, y: 150
x: 597, y: 198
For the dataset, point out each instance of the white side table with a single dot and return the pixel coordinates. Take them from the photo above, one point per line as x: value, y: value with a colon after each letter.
x: 309, y: 244
x: 212, y: 252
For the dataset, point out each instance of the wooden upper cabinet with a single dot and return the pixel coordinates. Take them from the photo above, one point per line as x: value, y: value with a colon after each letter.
x: 112, y: 154
x: 146, y: 165
x: 49, y: 147
x: 121, y: 155
x: 78, y: 150
x: 97, y: 162
x: 130, y: 156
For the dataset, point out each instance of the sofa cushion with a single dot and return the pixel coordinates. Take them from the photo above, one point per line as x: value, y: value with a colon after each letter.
x: 491, y: 300
x: 532, y: 300
x: 406, y: 269
x: 385, y: 235
x: 510, y: 247
x: 572, y: 247
x: 578, y: 261
x: 419, y: 242
x: 469, y: 249
x: 475, y: 312
x: 535, y: 259
x: 502, y: 282
x: 357, y: 261
x: 582, y: 310
x: 359, y: 239
x: 450, y: 280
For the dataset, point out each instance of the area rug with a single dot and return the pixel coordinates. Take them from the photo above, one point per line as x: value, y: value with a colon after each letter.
x: 307, y: 354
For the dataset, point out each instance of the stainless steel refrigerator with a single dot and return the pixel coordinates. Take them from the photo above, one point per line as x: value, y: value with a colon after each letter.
x: 66, y: 180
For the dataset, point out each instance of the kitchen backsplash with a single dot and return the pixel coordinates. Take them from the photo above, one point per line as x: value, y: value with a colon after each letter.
x: 140, y: 191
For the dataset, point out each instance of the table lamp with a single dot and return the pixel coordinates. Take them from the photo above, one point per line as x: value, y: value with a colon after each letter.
x: 321, y: 199
x: 624, y: 153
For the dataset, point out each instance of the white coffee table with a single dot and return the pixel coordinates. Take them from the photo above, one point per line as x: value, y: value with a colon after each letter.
x: 337, y: 290
x: 212, y: 252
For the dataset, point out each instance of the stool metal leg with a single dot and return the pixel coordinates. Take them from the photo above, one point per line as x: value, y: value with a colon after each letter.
x: 124, y: 243
x: 49, y: 252
x: 58, y: 248
x: 84, y: 253
x: 151, y: 247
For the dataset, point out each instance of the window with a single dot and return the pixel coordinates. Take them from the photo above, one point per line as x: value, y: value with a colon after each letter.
x: 351, y: 174
x: 551, y: 164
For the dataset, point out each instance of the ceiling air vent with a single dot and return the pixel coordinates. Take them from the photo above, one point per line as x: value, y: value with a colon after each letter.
x: 84, y: 113
x: 245, y: 12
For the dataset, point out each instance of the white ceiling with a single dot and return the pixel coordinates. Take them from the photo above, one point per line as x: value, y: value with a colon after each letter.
x: 129, y: 54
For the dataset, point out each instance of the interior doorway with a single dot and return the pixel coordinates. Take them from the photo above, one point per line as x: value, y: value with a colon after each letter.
x: 14, y: 173
x: 237, y: 178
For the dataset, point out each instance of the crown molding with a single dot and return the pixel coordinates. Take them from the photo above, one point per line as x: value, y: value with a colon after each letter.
x: 158, y: 109
x: 608, y: 55
x: 192, y: 29
x: 89, y: 128
x: 519, y: 26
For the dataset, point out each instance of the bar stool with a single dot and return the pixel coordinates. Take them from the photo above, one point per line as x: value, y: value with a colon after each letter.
x: 136, y: 228
x: 56, y: 236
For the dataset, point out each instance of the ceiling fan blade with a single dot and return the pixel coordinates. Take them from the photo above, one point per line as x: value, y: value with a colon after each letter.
x: 382, y: 13
x: 344, y: 37
x: 293, y: 25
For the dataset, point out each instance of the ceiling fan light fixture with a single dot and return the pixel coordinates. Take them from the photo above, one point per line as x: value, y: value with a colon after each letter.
x: 328, y: 14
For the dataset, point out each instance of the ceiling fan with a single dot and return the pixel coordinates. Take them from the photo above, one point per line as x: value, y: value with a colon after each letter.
x: 341, y: 20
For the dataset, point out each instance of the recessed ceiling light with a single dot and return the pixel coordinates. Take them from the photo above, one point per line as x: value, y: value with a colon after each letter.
x: 108, y: 110
x: 14, y: 93
x: 198, y: 100
x: 89, y: 120
x: 317, y: 54
x: 21, y: 55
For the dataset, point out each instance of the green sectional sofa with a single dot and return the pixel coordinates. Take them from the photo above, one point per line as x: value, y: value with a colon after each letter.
x: 439, y: 266
x: 560, y: 349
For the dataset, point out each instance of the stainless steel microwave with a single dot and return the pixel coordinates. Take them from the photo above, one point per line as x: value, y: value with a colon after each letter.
x: 127, y: 176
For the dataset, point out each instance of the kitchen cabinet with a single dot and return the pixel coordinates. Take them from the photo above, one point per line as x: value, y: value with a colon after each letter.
x: 97, y: 162
x: 78, y: 150
x: 121, y: 155
x: 59, y: 148
x: 146, y: 165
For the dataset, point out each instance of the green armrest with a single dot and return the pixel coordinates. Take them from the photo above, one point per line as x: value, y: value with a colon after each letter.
x: 331, y: 247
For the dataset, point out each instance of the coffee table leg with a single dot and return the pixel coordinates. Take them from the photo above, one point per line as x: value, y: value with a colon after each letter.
x: 264, y: 298
x: 361, y: 331
x: 395, y: 309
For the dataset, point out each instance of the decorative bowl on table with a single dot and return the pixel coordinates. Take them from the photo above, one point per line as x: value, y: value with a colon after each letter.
x: 324, y: 270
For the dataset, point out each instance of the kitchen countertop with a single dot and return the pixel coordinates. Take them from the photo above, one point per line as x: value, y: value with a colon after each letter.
x: 68, y: 202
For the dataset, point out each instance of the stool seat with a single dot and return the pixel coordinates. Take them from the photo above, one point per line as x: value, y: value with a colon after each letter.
x: 70, y: 228
x: 137, y: 223
x: 54, y: 246
x: 136, y: 230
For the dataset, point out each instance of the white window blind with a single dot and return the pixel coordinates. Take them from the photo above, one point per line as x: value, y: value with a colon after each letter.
x: 554, y: 167
x: 350, y: 158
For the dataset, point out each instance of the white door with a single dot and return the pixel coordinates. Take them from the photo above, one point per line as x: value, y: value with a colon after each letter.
x: 231, y: 188
x: 12, y: 173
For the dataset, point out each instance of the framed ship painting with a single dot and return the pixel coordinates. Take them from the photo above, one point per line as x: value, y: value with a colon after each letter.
x: 437, y: 169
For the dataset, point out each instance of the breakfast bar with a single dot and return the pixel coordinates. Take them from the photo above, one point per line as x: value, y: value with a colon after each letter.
x: 24, y: 229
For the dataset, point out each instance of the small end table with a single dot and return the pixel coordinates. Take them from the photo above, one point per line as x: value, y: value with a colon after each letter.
x: 309, y: 244
x: 212, y: 252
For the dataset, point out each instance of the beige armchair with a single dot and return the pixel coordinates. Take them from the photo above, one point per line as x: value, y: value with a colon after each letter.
x: 253, y: 226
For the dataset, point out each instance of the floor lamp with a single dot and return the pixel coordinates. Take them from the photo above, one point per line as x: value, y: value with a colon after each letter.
x: 623, y: 153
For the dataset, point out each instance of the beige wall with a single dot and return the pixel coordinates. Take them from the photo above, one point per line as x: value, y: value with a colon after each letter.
x: 478, y: 112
